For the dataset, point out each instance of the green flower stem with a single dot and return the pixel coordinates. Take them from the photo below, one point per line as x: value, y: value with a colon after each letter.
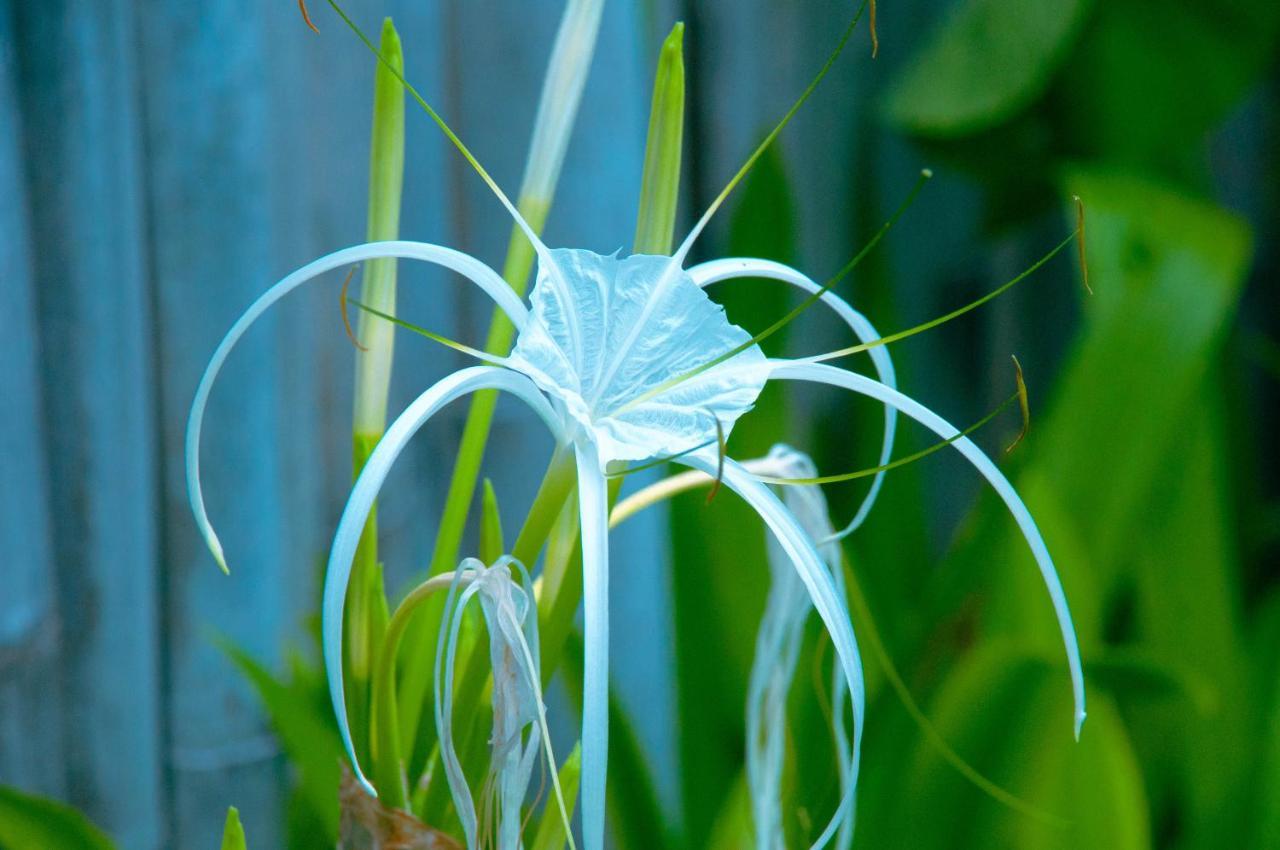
x: 492, y: 546
x: 389, y: 773
x: 415, y: 691
x: 366, y: 600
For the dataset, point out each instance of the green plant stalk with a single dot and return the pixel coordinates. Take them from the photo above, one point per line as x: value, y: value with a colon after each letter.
x: 550, y: 834
x: 492, y: 546
x: 389, y: 772
x: 366, y: 600
x: 420, y: 651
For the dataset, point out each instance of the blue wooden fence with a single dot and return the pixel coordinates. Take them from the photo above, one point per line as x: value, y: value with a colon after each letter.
x: 161, y: 162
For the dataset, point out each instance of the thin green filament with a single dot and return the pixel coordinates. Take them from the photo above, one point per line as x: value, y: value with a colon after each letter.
x: 644, y: 467
x: 902, y: 461
x: 440, y: 122
x: 773, y: 134
x: 954, y: 314
x: 431, y: 335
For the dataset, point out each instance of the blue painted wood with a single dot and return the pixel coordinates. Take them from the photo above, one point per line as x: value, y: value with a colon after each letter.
x: 174, y: 160
x: 30, y: 711
x: 210, y: 132
x: 78, y: 86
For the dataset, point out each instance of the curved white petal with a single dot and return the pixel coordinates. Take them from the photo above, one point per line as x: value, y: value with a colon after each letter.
x: 823, y: 374
x: 715, y: 271
x: 469, y: 267
x: 797, y: 546
x: 365, y: 492
x: 607, y: 334
x: 594, y: 508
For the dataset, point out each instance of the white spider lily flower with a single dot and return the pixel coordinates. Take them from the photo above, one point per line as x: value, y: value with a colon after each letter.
x: 595, y: 358
x: 777, y: 650
x: 627, y: 359
x: 519, y: 716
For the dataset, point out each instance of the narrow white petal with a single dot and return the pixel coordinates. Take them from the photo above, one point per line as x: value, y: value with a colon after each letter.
x: 824, y: 374
x: 365, y: 492
x: 469, y: 267
x: 594, y: 507
x: 447, y: 652
x: 830, y: 605
x: 729, y: 269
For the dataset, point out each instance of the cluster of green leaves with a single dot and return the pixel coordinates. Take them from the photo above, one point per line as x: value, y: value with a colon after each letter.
x: 1134, y: 473
x: 28, y: 821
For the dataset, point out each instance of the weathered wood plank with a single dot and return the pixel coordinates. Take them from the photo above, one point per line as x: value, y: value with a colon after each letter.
x: 217, y: 194
x: 78, y: 87
x: 30, y: 708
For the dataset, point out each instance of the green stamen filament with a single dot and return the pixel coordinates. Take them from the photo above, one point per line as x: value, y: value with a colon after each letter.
x: 421, y: 331
x: 902, y: 461
x: 954, y: 314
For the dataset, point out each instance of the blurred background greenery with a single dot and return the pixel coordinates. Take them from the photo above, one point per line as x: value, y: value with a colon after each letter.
x: 1148, y: 466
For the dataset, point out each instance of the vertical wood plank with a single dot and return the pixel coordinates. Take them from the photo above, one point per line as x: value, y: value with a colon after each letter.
x: 30, y: 709
x: 210, y: 135
x: 78, y: 86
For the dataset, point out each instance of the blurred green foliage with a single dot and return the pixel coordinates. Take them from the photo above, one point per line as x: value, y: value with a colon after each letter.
x: 1133, y: 471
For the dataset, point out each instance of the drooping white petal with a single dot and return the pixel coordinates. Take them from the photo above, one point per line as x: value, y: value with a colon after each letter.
x: 737, y: 268
x: 603, y: 331
x: 477, y: 272
x: 824, y: 374
x: 830, y: 604
x: 594, y: 507
x: 519, y: 717
x: 778, y: 642
x: 365, y: 492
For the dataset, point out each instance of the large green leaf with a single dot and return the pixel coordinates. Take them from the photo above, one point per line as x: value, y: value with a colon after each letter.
x: 989, y: 60
x: 28, y: 822
x: 1166, y: 273
x: 1001, y: 709
x: 1150, y: 79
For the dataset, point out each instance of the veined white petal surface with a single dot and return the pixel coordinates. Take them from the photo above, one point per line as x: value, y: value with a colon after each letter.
x: 715, y: 271
x: 831, y: 607
x: 605, y: 330
x: 594, y: 508
x: 365, y: 492
x: 472, y: 269
x: 833, y: 376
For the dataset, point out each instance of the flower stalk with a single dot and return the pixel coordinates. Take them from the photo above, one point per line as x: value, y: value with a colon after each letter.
x: 373, y: 357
